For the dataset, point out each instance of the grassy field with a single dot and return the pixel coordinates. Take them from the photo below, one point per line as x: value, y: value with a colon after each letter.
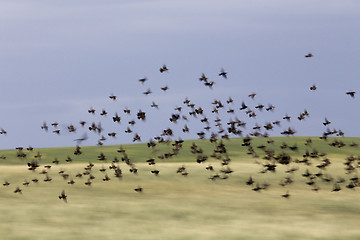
x: 173, y: 206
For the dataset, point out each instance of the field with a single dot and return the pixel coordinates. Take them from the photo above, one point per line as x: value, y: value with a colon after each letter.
x: 174, y: 206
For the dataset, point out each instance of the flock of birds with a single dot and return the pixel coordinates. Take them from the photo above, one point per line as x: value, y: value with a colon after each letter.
x: 217, y: 133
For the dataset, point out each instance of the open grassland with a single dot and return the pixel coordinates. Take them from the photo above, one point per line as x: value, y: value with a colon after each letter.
x: 140, y: 152
x: 173, y: 206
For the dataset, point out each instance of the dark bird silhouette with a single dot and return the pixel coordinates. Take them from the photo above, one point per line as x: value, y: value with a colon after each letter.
x: 147, y: 92
x: 313, y: 87
x: 138, y: 189
x: 154, y: 105
x: 309, y: 55
x: 203, y: 78
x: 113, y: 97
x: 81, y: 139
x: 2, y: 131
x: 92, y: 111
x: 18, y: 190
x: 116, y: 118
x: 45, y: 127
x: 252, y: 95
x: 336, y: 188
x: 63, y: 196
x: 250, y: 181
x: 165, y: 88
x: 103, y: 112
x: 286, y: 195
x: 163, y: 69
x: 327, y: 122
x: 223, y: 73
x: 142, y: 80
x: 351, y: 93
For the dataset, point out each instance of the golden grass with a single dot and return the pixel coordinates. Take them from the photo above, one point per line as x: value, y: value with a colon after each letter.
x: 176, y: 207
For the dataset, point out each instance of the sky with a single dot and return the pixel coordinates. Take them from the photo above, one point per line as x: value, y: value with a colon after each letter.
x: 60, y: 58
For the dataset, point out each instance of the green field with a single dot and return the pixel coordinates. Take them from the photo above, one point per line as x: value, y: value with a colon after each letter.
x: 173, y: 206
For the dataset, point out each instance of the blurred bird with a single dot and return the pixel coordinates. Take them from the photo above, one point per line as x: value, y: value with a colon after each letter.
x: 223, y: 73
x: 63, y: 196
x: 163, y: 69
x: 142, y: 80
x: 351, y: 94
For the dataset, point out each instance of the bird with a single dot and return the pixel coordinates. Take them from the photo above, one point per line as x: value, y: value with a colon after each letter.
x: 223, y: 73
x: 286, y: 195
x: 18, y: 190
x: 138, y: 189
x: 81, y: 139
x: 92, y: 111
x: 203, y: 78
x: 45, y: 127
x: 63, y: 196
x: 327, y: 122
x: 309, y: 55
x: 147, y: 92
x: 163, y: 69
x: 154, y: 105
x: 142, y: 80
x: 351, y: 94
x: 116, y: 118
x: 165, y: 88
x: 252, y: 95
x: 250, y: 181
x: 313, y: 87
x: 113, y: 97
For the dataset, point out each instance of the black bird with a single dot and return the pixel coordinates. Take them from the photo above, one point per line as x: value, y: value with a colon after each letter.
x: 26, y: 183
x: 327, y: 122
x: 91, y: 110
x: 351, y: 93
x: 309, y: 55
x: 165, y: 88
x: 250, y: 181
x: 252, y: 95
x: 113, y: 97
x: 203, y: 78
x: 18, y: 190
x: 336, y: 188
x: 63, y: 196
x: 313, y: 87
x: 286, y: 195
x: 138, y: 189
x: 147, y: 92
x: 154, y: 105
x: 116, y: 118
x: 223, y: 73
x: 142, y: 80
x: 163, y: 69
x: 45, y: 127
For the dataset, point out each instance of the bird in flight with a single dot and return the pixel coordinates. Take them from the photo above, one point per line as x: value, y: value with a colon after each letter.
x: 163, y: 69
x: 63, y: 196
x: 351, y: 93
x: 223, y: 73
x: 313, y: 87
x: 142, y: 80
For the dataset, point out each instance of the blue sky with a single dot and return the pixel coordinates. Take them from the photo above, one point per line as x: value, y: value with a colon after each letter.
x: 59, y: 58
